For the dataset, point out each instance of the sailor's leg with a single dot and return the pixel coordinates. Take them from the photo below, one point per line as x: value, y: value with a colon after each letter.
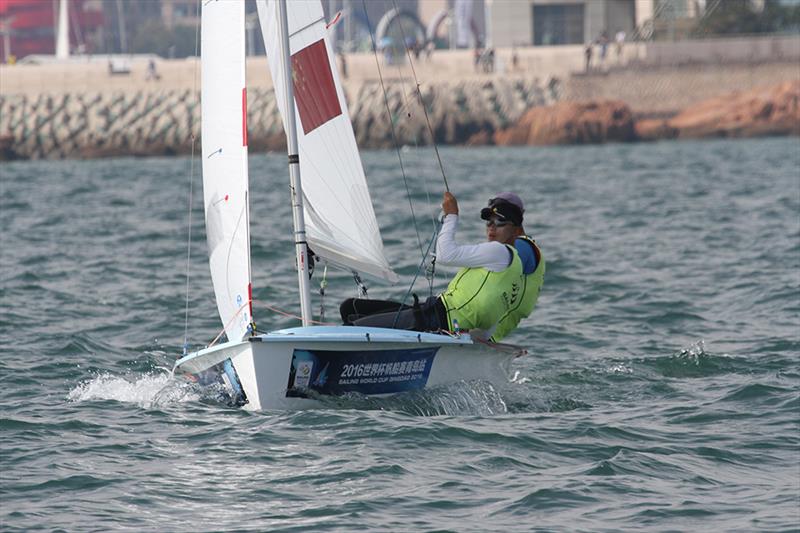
x: 432, y: 315
x: 355, y: 308
x: 403, y: 319
x: 429, y: 316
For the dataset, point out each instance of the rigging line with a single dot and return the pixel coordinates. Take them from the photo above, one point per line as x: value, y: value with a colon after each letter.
x: 416, y: 275
x: 400, y: 70
x: 191, y: 193
x: 433, y: 215
x: 424, y: 108
x: 408, y: 106
x: 391, y: 123
x: 290, y: 315
x: 434, y: 225
x: 274, y: 309
x: 189, y: 251
x: 430, y: 273
x: 248, y: 302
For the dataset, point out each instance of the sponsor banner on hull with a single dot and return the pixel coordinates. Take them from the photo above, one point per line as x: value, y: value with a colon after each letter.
x: 364, y: 371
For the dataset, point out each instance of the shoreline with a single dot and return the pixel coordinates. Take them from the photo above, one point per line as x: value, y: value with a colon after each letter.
x: 131, y: 116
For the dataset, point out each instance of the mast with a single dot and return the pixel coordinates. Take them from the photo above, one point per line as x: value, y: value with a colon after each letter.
x: 62, y: 33
x: 301, y: 246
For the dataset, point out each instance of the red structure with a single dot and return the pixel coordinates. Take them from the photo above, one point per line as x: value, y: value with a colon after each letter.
x: 28, y: 26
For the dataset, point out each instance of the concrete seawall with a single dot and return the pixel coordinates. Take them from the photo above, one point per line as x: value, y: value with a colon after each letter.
x: 82, y: 112
x: 164, y: 122
x: 663, y: 91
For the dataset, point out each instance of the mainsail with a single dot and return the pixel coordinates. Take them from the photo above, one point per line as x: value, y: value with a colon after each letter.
x: 224, y: 136
x: 340, y: 220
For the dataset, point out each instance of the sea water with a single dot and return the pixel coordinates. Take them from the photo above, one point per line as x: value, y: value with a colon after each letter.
x: 661, y: 391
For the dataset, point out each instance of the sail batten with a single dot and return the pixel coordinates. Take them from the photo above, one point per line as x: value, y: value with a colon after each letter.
x: 224, y: 147
x: 340, y: 220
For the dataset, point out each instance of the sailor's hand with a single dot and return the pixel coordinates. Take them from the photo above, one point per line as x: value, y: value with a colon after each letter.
x: 449, y: 204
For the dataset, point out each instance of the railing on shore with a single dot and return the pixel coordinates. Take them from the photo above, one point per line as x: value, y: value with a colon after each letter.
x: 543, y: 62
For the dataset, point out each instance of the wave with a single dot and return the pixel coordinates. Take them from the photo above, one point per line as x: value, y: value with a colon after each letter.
x: 695, y: 362
x: 470, y: 398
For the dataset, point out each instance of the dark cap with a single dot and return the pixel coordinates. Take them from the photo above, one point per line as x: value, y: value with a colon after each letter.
x: 505, y: 206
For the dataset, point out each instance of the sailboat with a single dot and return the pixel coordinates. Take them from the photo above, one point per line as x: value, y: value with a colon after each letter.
x: 295, y: 368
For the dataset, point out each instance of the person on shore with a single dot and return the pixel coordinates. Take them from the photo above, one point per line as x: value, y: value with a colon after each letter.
x: 489, y: 61
x: 497, y: 286
x: 619, y: 38
x: 151, y: 73
x: 587, y: 53
x: 603, y: 42
x: 554, y: 85
x: 343, y: 65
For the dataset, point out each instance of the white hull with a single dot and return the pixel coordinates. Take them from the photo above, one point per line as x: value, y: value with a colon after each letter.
x: 330, y: 361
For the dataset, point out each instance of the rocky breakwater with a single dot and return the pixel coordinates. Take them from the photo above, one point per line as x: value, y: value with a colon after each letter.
x: 756, y: 113
x: 143, y: 123
x: 759, y: 112
x: 571, y: 123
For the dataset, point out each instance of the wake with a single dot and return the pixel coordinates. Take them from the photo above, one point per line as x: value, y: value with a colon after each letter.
x: 151, y: 390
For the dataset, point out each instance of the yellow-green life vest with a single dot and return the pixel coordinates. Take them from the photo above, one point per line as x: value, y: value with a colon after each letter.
x: 532, y: 285
x: 477, y: 298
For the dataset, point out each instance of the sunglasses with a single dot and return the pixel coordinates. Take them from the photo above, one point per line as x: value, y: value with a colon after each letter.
x: 498, y: 223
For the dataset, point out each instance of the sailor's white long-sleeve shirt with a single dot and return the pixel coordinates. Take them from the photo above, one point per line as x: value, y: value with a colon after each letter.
x: 492, y: 255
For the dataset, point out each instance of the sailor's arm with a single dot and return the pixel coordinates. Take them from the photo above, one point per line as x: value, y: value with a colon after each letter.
x: 493, y: 256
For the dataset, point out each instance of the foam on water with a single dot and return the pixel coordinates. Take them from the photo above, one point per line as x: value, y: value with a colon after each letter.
x: 150, y: 390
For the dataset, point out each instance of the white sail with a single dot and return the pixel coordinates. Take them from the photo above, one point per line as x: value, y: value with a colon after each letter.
x: 225, y: 186
x: 340, y: 220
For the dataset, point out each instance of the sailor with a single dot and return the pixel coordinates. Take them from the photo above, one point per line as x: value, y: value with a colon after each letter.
x: 498, y: 283
x: 533, y: 268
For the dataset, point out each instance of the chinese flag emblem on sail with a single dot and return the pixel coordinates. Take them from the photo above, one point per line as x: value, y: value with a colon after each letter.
x: 314, y: 89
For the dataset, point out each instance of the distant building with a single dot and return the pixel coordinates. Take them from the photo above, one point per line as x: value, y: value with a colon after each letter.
x: 109, y: 26
x: 28, y: 26
x: 505, y: 23
x: 559, y: 22
x: 179, y: 13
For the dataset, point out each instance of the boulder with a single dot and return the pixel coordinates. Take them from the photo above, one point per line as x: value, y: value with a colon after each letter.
x: 766, y: 111
x: 571, y: 123
x: 481, y: 138
x: 653, y: 129
x: 7, y: 152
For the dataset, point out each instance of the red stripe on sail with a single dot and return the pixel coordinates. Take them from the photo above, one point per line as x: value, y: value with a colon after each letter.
x: 314, y: 90
x: 250, y: 299
x: 244, y: 116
